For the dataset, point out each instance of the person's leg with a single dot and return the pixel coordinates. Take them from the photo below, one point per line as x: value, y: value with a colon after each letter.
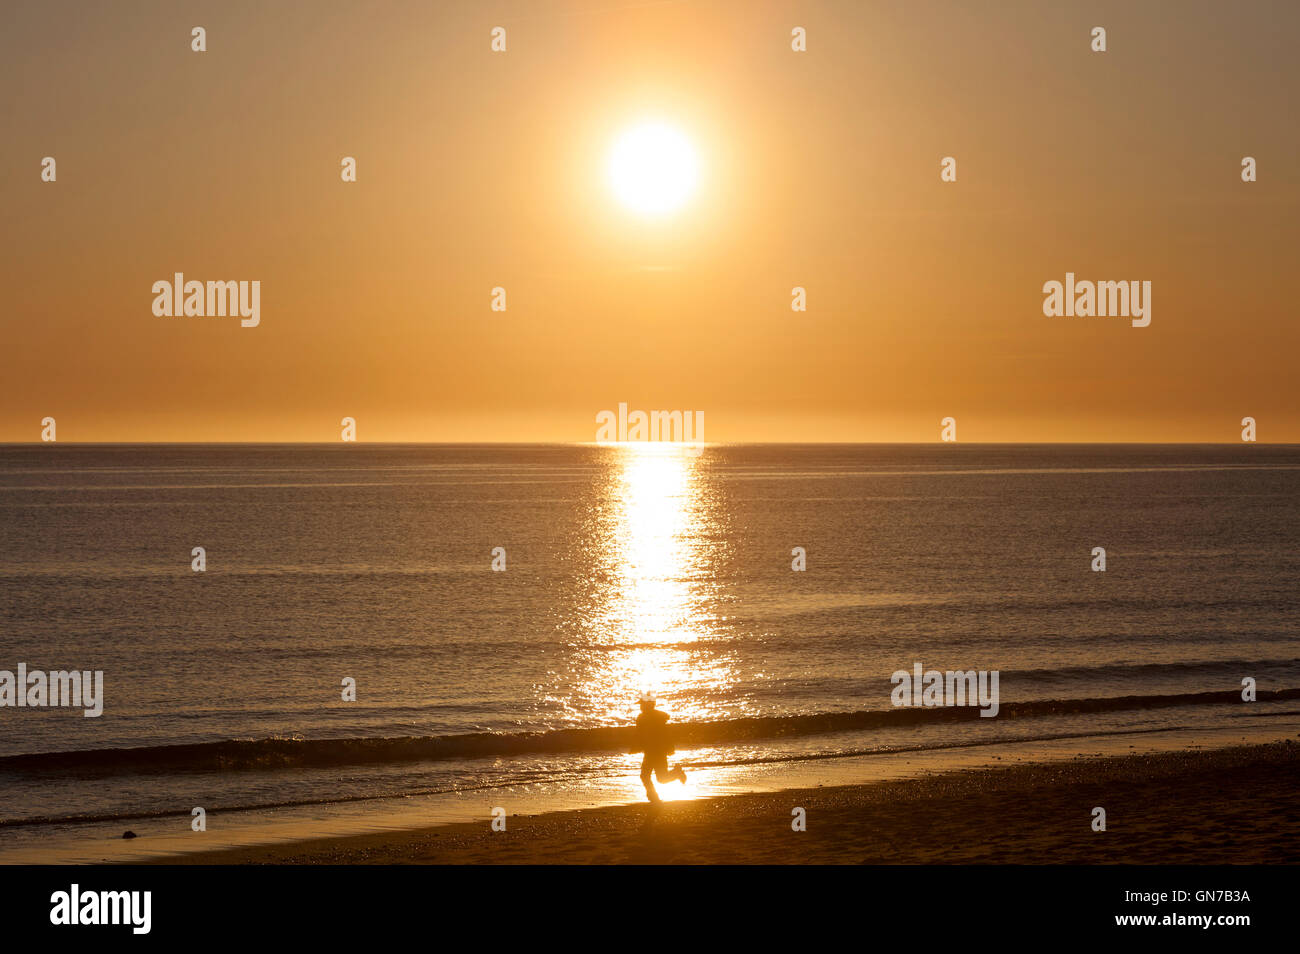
x: 662, y: 773
x: 647, y: 767
x: 676, y: 775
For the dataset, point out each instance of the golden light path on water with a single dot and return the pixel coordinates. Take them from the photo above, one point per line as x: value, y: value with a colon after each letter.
x: 654, y: 609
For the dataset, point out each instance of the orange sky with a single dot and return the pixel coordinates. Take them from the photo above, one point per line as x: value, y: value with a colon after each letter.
x: 819, y: 169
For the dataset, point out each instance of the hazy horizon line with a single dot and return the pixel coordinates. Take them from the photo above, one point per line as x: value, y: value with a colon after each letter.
x: 616, y: 444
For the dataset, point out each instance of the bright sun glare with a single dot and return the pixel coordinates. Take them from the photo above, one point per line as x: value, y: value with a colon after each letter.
x: 653, y: 169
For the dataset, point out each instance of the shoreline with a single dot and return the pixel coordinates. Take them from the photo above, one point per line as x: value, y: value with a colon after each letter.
x: 1221, y: 806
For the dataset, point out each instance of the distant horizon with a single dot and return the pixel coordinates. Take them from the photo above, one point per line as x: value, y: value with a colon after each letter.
x: 612, y: 444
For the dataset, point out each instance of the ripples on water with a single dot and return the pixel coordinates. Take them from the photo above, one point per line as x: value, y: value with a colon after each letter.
x: 628, y: 568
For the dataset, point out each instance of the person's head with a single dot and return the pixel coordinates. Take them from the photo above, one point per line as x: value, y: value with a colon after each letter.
x: 647, y: 701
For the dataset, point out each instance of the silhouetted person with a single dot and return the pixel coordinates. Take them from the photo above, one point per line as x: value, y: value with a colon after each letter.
x: 653, y: 739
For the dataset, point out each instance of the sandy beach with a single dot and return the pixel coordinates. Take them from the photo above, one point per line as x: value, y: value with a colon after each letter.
x: 1208, y: 807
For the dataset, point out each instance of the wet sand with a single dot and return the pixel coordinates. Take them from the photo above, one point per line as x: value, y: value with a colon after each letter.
x: 1225, y: 806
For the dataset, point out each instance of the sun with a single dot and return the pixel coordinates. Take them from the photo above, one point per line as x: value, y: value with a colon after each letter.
x: 653, y: 169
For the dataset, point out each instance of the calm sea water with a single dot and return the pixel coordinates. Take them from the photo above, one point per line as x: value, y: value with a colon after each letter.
x: 626, y: 568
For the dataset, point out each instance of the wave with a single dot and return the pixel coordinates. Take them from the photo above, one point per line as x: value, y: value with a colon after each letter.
x: 337, y: 799
x: 273, y: 753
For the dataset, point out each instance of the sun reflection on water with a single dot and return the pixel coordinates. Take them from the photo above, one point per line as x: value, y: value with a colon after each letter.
x: 651, y: 606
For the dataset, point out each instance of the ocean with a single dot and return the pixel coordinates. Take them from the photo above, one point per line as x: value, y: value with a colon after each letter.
x: 619, y: 569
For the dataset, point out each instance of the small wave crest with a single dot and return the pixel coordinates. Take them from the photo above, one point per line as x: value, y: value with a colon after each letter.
x: 275, y: 753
